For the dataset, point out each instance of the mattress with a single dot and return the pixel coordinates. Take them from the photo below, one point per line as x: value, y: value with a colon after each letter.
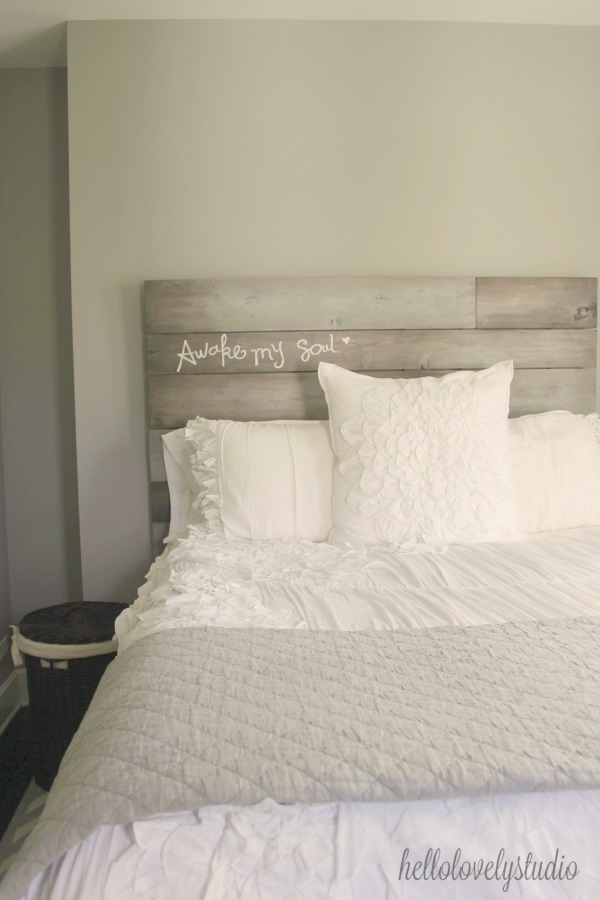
x: 534, y: 844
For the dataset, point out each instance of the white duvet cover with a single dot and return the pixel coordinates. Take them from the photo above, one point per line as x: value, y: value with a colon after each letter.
x: 522, y: 845
x: 204, y: 580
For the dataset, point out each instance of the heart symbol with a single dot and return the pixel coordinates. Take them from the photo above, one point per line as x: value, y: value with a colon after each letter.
x: 346, y: 340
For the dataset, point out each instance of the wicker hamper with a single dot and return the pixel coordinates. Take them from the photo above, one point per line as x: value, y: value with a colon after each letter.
x: 66, y: 649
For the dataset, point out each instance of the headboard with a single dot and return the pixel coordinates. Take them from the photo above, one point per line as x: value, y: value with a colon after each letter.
x: 248, y: 348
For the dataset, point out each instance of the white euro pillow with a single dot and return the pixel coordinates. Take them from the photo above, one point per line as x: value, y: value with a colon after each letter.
x: 555, y: 458
x: 421, y: 460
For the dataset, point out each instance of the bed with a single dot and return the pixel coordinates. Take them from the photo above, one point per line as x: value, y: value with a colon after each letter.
x: 365, y: 662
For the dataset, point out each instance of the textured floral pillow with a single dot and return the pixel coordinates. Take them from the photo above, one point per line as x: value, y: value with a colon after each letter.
x: 421, y: 460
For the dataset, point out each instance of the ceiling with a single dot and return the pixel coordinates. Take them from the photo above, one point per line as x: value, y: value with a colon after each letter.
x: 33, y: 32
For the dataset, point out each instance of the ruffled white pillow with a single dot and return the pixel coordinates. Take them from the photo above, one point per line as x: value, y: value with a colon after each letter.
x: 421, y: 460
x: 262, y: 480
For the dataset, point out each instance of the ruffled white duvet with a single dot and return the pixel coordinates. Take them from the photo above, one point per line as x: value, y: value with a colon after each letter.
x: 204, y: 580
x: 344, y: 851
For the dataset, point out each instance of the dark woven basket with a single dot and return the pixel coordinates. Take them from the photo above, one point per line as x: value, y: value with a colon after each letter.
x: 60, y: 690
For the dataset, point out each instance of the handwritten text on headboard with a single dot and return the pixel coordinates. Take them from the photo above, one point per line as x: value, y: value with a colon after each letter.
x: 271, y: 353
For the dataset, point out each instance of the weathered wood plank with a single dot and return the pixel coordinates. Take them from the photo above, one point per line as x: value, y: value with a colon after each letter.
x: 159, y: 502
x: 155, y: 456
x: 297, y: 351
x: 159, y: 533
x: 173, y: 399
x: 314, y: 304
x: 541, y: 390
x: 536, y: 302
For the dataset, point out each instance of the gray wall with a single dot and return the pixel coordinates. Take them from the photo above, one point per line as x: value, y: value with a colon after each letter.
x: 5, y: 605
x: 40, y: 560
x: 6, y: 666
x: 258, y: 148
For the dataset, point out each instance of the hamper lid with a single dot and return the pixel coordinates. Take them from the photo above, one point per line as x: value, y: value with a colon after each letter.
x: 72, y: 623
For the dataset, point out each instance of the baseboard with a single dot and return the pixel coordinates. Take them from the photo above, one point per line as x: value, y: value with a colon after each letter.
x: 13, y: 695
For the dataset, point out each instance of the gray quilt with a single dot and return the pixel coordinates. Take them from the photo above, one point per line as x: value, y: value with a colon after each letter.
x: 187, y: 718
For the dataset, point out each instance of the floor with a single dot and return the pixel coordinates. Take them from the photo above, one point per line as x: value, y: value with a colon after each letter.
x: 15, y: 766
x: 21, y: 800
x: 21, y: 825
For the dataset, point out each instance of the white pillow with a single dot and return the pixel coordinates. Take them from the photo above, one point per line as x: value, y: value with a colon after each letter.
x: 555, y: 457
x: 181, y: 482
x: 263, y: 480
x: 421, y: 460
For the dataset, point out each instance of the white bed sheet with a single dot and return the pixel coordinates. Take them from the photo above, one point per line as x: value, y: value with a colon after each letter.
x: 345, y: 851
x: 339, y: 852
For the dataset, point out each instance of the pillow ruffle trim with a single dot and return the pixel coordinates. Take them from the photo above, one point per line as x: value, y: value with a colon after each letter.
x: 203, y: 436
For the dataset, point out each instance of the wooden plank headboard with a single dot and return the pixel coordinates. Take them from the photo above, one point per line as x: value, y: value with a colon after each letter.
x: 249, y: 348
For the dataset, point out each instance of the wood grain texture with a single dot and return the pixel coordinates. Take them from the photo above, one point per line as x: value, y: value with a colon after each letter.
x: 158, y: 471
x: 159, y: 502
x: 364, y: 351
x: 536, y: 302
x: 313, y: 304
x: 173, y: 399
x: 542, y: 390
x: 155, y: 456
x: 159, y: 533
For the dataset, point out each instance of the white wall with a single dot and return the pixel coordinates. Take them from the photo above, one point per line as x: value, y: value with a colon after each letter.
x: 39, y: 490
x: 258, y: 148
